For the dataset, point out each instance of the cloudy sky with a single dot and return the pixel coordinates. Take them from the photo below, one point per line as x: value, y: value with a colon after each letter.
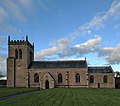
x: 64, y: 29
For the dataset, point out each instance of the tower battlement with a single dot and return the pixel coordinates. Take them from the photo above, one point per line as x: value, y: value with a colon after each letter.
x: 20, y: 42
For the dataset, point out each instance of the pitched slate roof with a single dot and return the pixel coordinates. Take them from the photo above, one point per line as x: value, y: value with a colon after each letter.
x: 100, y: 69
x: 58, y: 64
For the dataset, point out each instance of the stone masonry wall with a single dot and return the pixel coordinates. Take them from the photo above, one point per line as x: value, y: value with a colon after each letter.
x: 98, y: 79
x: 71, y: 77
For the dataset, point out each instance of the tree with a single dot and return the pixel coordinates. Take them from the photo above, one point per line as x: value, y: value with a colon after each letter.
x: 117, y: 74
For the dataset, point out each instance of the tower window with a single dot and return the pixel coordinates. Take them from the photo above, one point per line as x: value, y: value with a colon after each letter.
x: 59, y: 78
x: 77, y: 78
x: 91, y: 79
x: 20, y: 54
x: 36, y: 77
x: 105, y: 79
x: 16, y: 54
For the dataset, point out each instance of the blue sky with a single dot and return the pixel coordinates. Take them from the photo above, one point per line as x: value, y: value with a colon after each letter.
x: 64, y: 29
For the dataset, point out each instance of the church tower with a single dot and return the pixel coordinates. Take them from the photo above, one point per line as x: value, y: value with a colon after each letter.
x: 20, y: 54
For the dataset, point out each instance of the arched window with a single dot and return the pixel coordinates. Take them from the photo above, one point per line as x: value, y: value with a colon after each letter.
x: 20, y: 54
x: 105, y: 79
x: 91, y: 79
x: 16, y: 54
x: 36, y: 77
x: 77, y: 78
x: 59, y: 78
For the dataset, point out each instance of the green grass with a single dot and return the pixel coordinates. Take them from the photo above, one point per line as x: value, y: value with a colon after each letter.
x: 67, y: 97
x: 11, y: 91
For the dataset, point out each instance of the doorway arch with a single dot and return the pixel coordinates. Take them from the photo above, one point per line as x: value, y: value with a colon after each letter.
x: 46, y: 84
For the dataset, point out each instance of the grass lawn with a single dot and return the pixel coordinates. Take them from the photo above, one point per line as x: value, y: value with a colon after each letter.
x: 11, y: 91
x: 67, y: 97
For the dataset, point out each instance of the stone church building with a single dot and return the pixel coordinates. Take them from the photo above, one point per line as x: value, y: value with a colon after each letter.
x: 23, y: 71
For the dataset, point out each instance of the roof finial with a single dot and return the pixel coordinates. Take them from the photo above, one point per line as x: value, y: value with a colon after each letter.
x: 9, y: 39
x: 27, y: 38
x: 85, y: 58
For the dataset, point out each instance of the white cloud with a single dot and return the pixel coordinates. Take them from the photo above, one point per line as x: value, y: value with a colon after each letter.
x: 114, y: 10
x: 104, y: 51
x: 95, y: 23
x: 2, y: 56
x: 46, y: 52
x: 61, y: 43
x: 2, y: 41
x: 26, y: 4
x: 19, y: 11
x: 110, y: 54
x: 58, y: 46
x: 81, y: 49
x: 3, y: 64
x: 88, y: 46
x: 10, y: 10
x: 114, y: 56
x: 63, y: 59
x: 13, y: 9
x: 61, y: 48
x: 63, y: 51
x: 3, y: 14
x: 89, y: 31
x: 90, y: 43
x: 99, y: 20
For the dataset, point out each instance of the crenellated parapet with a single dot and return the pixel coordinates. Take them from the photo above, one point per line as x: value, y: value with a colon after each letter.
x: 20, y: 42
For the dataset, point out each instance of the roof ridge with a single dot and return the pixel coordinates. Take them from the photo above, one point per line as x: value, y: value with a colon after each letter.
x: 59, y: 61
x: 57, y: 64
